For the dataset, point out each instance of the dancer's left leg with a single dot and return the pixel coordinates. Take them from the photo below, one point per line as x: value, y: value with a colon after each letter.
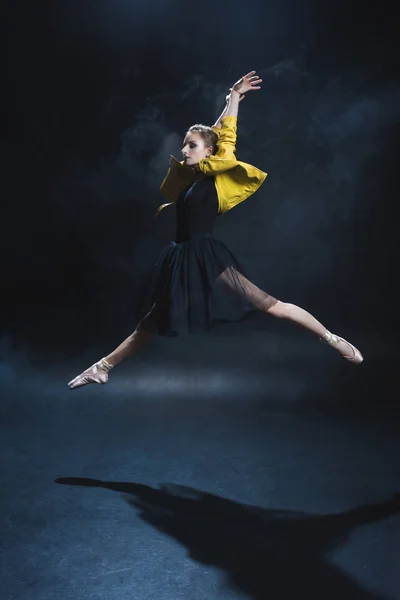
x: 284, y: 310
x: 292, y: 312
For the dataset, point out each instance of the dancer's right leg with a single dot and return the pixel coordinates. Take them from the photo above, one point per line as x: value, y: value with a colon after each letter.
x: 129, y: 346
x: 98, y: 373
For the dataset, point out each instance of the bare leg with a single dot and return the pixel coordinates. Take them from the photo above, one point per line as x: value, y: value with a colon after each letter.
x: 129, y: 346
x: 285, y: 310
x: 98, y: 373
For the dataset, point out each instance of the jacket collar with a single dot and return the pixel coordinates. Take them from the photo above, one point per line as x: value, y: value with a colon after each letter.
x: 209, y: 166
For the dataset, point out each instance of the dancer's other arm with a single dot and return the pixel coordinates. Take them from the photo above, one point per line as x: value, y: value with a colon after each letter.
x: 237, y: 94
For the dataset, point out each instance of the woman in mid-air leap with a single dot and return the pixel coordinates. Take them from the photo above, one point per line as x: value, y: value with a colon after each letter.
x: 196, y: 280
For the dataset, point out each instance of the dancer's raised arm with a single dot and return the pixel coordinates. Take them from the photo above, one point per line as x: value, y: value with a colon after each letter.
x: 237, y: 94
x: 229, y: 106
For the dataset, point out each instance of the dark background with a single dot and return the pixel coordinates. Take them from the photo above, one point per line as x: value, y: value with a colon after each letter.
x: 250, y: 461
x: 97, y: 95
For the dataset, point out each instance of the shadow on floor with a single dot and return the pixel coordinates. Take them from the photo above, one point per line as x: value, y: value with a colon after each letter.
x: 266, y: 553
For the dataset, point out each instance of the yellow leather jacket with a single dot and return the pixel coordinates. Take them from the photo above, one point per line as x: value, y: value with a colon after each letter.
x: 234, y: 180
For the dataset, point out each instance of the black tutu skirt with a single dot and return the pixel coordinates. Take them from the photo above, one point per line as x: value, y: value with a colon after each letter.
x: 196, y: 284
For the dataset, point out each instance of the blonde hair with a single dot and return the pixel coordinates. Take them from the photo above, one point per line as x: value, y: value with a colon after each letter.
x: 207, y: 134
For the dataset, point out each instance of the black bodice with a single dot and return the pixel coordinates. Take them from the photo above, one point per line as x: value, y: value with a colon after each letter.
x: 196, y: 210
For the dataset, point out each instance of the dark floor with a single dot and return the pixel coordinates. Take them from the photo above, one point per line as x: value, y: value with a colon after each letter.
x: 264, y: 470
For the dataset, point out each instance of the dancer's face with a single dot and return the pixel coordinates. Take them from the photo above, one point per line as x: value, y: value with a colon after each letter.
x: 194, y: 149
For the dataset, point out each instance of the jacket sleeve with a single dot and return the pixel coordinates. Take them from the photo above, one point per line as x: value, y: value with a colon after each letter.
x: 226, y: 138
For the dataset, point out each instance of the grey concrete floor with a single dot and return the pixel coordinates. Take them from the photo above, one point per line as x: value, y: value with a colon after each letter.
x: 184, y: 479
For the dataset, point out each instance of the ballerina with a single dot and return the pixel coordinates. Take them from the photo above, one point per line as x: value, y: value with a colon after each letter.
x: 196, y: 272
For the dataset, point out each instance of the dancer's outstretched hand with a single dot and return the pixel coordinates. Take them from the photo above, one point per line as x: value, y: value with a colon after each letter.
x: 247, y: 82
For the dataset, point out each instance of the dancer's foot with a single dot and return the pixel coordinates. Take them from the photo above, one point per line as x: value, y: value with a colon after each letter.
x: 347, y: 350
x: 97, y: 373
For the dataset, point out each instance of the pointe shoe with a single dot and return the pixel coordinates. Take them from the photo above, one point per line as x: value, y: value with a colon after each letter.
x: 333, y: 340
x: 97, y: 373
